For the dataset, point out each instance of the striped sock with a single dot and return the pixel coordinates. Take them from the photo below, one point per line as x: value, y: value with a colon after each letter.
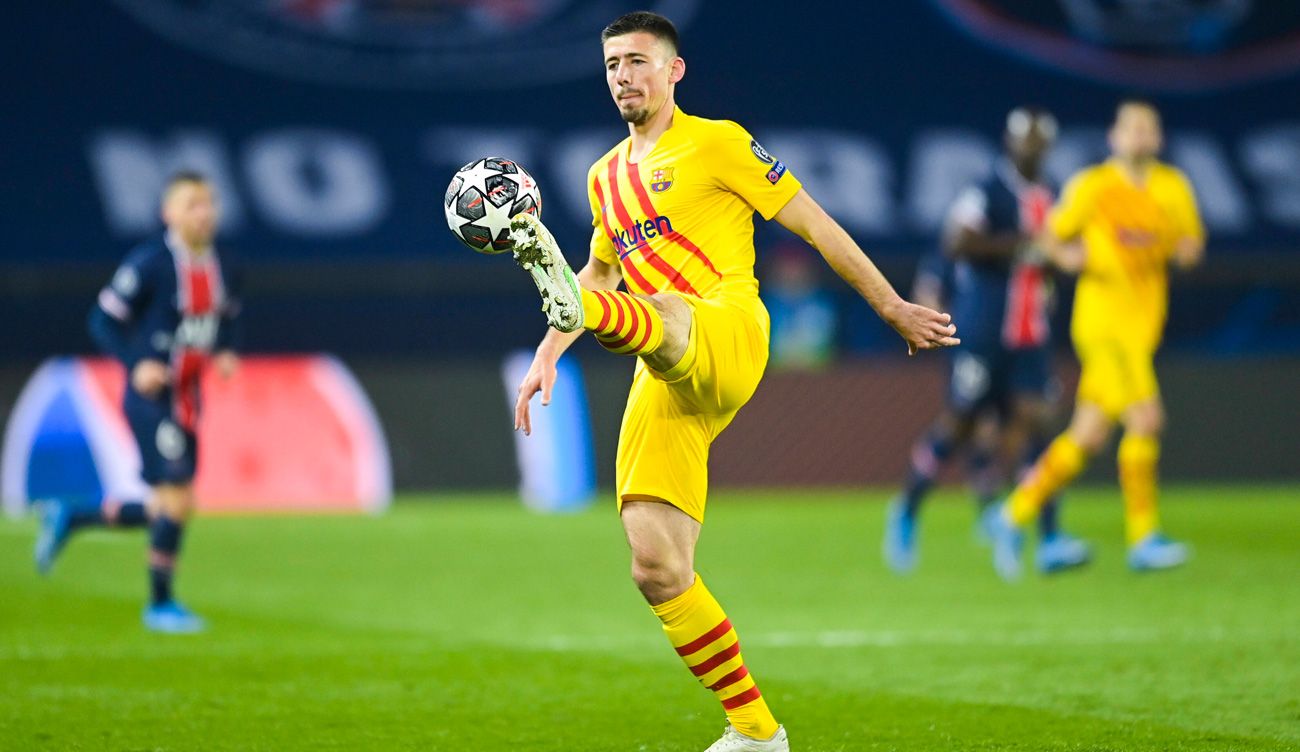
x: 622, y: 322
x: 1138, y: 456
x: 1063, y: 460
x: 702, y: 635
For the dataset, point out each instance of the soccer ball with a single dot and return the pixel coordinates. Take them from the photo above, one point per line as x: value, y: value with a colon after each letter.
x: 482, y: 198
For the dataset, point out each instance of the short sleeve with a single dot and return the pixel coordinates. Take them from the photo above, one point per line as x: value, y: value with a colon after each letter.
x: 971, y: 209
x: 1187, y: 216
x: 1075, y: 209
x: 742, y: 166
x: 602, y: 247
x: 127, y: 292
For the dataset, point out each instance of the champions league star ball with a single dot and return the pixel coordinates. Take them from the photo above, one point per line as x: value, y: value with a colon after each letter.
x: 482, y: 198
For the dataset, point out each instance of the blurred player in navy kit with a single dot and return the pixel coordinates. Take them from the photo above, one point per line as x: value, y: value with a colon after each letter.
x: 169, y: 312
x: 997, y: 287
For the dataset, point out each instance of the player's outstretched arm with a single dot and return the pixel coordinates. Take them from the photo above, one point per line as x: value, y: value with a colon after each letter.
x: 596, y: 275
x: 961, y: 241
x: 922, y: 328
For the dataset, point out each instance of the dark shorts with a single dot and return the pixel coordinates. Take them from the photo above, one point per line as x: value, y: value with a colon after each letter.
x: 168, y: 453
x: 983, y: 378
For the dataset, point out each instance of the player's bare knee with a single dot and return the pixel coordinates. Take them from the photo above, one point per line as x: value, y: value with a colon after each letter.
x: 660, y: 575
x: 1145, y: 420
x: 1090, y: 436
x: 174, y: 501
x: 676, y: 315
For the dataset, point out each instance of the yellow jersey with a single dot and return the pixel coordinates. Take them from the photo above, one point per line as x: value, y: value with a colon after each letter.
x: 1129, y: 233
x: 683, y: 217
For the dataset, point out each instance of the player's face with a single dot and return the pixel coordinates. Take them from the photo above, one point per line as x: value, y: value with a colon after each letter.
x: 1136, y: 135
x: 191, y: 210
x: 1029, y: 149
x: 640, y: 70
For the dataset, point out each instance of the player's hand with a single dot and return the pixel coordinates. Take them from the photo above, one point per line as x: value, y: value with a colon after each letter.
x: 923, y: 328
x: 227, y: 363
x: 1030, y: 252
x: 1068, y: 257
x: 149, y: 377
x: 540, y: 378
x: 1188, y: 253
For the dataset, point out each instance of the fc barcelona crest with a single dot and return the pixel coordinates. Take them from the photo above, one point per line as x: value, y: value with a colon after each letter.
x: 661, y: 179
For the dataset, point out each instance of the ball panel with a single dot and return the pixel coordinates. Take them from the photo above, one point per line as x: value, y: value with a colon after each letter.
x: 452, y: 191
x: 501, y: 190
x: 476, y: 236
x: 470, y: 204
x: 501, y: 165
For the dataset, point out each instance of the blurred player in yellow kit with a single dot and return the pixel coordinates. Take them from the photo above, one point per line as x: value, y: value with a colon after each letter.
x: 672, y: 209
x: 1119, y: 225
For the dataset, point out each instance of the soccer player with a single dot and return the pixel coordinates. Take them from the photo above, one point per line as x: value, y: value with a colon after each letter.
x: 170, y: 305
x: 1119, y: 225
x: 672, y: 209
x: 998, y: 289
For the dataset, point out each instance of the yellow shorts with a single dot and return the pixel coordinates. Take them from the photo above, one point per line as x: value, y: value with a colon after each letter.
x: 673, y: 417
x: 1116, y: 375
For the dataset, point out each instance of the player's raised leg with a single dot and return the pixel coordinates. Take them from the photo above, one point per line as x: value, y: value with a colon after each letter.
x: 60, y: 518
x: 655, y: 327
x: 662, y: 539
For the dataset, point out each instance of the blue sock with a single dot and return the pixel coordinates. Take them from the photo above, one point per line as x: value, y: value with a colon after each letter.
x: 108, y: 513
x: 1049, y: 515
x: 983, y: 474
x: 124, y: 513
x: 164, y: 544
x: 928, y: 456
x: 1048, y: 522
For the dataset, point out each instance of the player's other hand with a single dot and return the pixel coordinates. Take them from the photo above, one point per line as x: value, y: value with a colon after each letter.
x: 1068, y: 257
x: 540, y: 378
x: 227, y: 363
x: 1188, y: 252
x: 923, y: 328
x: 149, y: 377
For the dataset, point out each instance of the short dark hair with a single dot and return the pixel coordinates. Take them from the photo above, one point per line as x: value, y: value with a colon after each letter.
x: 186, y: 176
x: 183, y: 177
x: 642, y: 20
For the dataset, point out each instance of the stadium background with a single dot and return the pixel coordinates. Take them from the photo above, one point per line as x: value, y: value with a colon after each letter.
x: 332, y: 127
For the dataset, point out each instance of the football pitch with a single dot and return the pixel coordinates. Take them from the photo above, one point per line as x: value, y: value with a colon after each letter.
x: 473, y: 624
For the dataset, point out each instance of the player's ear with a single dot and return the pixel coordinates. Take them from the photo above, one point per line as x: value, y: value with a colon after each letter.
x: 676, y: 70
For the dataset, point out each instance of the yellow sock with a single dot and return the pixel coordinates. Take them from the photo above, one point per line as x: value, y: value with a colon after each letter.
x: 701, y: 634
x: 622, y: 323
x: 1138, y: 456
x: 1063, y: 460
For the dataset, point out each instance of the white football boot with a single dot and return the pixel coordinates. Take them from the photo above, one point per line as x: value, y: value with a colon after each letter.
x: 734, y: 741
x: 538, y: 254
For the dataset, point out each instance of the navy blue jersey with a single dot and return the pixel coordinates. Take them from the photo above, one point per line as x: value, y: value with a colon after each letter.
x: 166, y: 304
x: 1001, y: 302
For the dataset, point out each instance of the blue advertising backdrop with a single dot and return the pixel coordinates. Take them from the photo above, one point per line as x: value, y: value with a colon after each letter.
x: 331, y: 128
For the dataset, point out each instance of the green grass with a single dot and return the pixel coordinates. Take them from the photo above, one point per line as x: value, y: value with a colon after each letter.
x: 472, y: 624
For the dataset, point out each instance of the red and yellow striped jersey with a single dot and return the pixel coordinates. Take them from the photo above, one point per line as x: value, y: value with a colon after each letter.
x: 683, y: 217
